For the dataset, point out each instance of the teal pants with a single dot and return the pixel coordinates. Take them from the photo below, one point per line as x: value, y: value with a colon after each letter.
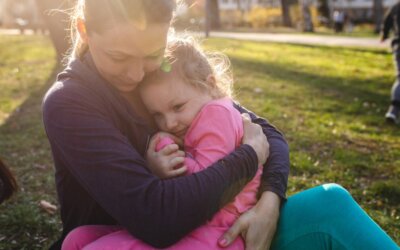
x: 327, y: 217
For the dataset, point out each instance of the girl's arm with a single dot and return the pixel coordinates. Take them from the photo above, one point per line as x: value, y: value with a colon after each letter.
x: 87, y: 146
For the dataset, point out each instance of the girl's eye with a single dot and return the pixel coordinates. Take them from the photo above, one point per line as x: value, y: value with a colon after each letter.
x: 178, y: 107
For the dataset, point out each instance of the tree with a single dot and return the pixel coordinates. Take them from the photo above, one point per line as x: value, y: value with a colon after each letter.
x: 213, y: 11
x: 323, y: 10
x: 287, y: 21
x: 308, y: 25
x: 56, y: 20
x: 378, y: 14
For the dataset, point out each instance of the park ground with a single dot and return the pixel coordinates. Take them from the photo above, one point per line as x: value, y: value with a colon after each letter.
x: 328, y: 101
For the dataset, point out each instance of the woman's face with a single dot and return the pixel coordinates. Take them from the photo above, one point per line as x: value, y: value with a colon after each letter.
x: 125, y: 53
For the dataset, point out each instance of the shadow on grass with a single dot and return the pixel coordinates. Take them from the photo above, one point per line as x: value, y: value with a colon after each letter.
x: 376, y: 51
x: 24, y: 147
x: 18, y: 117
x: 345, y: 89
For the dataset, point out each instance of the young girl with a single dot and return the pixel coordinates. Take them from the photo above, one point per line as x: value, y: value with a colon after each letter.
x: 190, y: 98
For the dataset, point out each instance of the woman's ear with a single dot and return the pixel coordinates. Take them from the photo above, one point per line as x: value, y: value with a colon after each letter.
x: 81, y: 27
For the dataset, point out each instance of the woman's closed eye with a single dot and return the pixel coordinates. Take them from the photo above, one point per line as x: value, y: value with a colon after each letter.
x: 119, y: 58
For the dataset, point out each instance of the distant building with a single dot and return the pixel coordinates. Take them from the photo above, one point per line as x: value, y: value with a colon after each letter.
x: 246, y: 4
x: 358, y: 10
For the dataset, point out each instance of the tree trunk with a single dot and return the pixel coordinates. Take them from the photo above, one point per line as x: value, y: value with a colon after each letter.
x: 323, y: 10
x: 57, y: 23
x: 308, y: 25
x: 207, y: 18
x: 213, y: 11
x: 378, y: 14
x: 287, y: 21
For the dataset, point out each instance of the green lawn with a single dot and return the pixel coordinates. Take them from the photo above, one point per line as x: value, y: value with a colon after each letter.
x: 328, y: 101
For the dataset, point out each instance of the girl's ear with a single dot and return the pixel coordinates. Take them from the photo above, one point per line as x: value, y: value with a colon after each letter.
x: 211, y: 80
x: 81, y: 27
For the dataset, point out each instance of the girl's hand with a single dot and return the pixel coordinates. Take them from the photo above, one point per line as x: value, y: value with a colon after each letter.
x: 257, y: 226
x: 254, y: 136
x: 166, y: 162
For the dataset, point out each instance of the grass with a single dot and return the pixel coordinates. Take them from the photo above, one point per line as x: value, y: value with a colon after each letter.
x: 328, y: 101
x: 26, y: 69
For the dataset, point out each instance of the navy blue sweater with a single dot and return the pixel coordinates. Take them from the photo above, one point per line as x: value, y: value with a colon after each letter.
x: 98, y: 144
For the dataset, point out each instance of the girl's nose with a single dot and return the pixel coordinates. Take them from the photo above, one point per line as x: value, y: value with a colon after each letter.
x: 170, y: 123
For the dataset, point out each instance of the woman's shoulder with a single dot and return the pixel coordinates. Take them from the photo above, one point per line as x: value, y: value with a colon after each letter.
x: 66, y: 91
x: 67, y: 96
x: 76, y: 83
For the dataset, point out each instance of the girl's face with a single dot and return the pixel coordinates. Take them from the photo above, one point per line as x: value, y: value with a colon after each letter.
x: 125, y: 53
x: 173, y: 103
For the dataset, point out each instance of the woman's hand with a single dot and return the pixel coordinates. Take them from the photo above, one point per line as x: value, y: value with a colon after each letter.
x: 254, y: 136
x: 167, y: 162
x: 257, y: 226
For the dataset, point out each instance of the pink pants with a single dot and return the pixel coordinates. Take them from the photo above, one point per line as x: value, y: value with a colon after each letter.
x: 99, y: 237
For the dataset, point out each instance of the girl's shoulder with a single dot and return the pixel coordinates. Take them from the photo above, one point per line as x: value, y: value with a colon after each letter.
x: 223, y: 103
x: 219, y: 109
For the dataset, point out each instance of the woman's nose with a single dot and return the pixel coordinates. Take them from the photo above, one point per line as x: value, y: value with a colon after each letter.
x: 135, y: 72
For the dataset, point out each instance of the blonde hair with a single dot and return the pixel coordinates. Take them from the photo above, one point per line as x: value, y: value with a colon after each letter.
x: 100, y: 15
x: 194, y: 65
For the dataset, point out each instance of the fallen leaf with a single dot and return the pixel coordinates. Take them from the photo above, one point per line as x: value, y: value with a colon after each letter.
x: 48, y: 207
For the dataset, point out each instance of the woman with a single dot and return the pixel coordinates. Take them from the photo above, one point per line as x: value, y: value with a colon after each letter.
x: 99, y: 133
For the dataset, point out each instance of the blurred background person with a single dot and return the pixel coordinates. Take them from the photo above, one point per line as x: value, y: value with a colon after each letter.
x: 391, y: 23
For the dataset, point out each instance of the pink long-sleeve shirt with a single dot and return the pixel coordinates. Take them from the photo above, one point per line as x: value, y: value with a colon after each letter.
x: 215, y: 132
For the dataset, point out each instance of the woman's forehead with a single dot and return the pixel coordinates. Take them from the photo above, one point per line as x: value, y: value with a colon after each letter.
x: 128, y: 39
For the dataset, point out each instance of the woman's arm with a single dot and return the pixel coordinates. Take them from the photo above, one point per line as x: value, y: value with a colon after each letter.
x: 258, y: 225
x: 86, y: 143
x: 276, y: 169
